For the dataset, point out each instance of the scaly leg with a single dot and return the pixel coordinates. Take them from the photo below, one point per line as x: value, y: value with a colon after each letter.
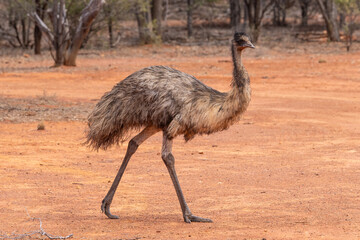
x: 132, y: 146
x: 169, y: 161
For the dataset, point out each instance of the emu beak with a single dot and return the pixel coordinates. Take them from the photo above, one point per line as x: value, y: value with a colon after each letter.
x: 250, y: 45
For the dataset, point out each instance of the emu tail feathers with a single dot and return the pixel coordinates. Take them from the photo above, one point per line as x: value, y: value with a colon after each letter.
x: 107, y: 123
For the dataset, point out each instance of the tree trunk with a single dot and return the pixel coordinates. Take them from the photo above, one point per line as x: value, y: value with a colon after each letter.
x: 40, y: 10
x: 143, y: 17
x: 235, y: 15
x: 190, y: 5
x: 37, y: 31
x: 279, y: 12
x: 329, y: 13
x: 24, y: 33
x: 108, y: 10
x: 342, y: 19
x: 87, y: 16
x: 283, y: 19
x: 256, y: 13
x: 156, y: 14
x: 37, y: 40
x: 111, y: 35
x: 304, y: 5
x: 58, y: 17
x: 165, y: 11
x: 66, y: 49
x: 245, y: 24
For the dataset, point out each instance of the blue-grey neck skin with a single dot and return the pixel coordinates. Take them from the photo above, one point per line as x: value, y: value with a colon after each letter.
x: 240, y: 76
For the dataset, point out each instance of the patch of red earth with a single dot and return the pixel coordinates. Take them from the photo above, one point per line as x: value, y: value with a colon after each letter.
x: 288, y: 170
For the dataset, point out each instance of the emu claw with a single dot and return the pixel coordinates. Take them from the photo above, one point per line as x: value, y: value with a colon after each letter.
x: 193, y: 218
x: 105, y: 208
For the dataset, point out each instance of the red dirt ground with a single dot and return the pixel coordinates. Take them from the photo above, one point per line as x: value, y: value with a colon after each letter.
x: 290, y: 169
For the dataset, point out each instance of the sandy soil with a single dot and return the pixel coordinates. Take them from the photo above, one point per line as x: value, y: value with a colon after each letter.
x: 290, y: 169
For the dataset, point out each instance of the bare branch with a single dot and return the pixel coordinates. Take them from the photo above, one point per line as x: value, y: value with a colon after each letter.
x: 265, y: 9
x: 8, y: 37
x: 117, y: 40
x: 43, y: 27
x: 35, y: 17
x: 29, y: 234
x: 323, y: 10
x: 17, y: 35
x: 6, y: 34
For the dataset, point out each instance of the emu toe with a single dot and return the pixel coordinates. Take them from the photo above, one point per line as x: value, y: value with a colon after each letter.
x: 193, y: 218
x: 105, y: 208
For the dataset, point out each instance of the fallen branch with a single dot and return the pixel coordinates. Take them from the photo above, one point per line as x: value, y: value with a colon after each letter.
x: 29, y: 234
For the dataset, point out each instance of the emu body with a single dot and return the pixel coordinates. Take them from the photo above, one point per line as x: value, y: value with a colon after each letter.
x: 160, y: 98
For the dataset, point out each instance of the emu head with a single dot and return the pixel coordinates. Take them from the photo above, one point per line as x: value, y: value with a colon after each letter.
x: 242, y: 41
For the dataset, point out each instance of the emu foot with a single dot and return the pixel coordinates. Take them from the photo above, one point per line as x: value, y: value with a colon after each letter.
x: 105, y: 208
x: 193, y: 218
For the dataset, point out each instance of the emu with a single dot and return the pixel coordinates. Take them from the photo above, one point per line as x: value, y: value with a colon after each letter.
x: 160, y: 98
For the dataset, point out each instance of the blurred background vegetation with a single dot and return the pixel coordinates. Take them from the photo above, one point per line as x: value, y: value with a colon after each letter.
x: 116, y: 23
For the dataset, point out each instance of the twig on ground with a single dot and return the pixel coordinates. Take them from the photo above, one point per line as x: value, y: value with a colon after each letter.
x: 29, y: 234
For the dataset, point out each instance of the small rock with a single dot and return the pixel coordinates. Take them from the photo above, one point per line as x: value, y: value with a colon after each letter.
x: 41, y: 126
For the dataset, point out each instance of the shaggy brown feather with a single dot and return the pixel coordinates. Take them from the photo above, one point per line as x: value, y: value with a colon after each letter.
x: 162, y: 98
x: 169, y: 100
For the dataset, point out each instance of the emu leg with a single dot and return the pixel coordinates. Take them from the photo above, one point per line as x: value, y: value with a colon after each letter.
x: 132, y: 147
x: 169, y: 161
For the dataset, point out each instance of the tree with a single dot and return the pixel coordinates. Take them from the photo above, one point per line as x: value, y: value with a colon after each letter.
x: 351, y: 12
x: 189, y: 25
x: 304, y: 5
x: 191, y: 6
x: 145, y: 26
x: 256, y: 11
x: 149, y: 16
x: 279, y: 11
x: 113, y: 12
x: 235, y: 14
x: 108, y: 9
x: 329, y: 12
x: 156, y: 14
x: 67, y: 45
x: 17, y: 27
x: 40, y: 8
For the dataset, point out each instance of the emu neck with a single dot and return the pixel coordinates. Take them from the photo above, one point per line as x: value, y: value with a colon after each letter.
x: 240, y: 75
x: 238, y: 98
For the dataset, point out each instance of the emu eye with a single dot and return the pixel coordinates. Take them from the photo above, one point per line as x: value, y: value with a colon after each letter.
x: 241, y: 42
